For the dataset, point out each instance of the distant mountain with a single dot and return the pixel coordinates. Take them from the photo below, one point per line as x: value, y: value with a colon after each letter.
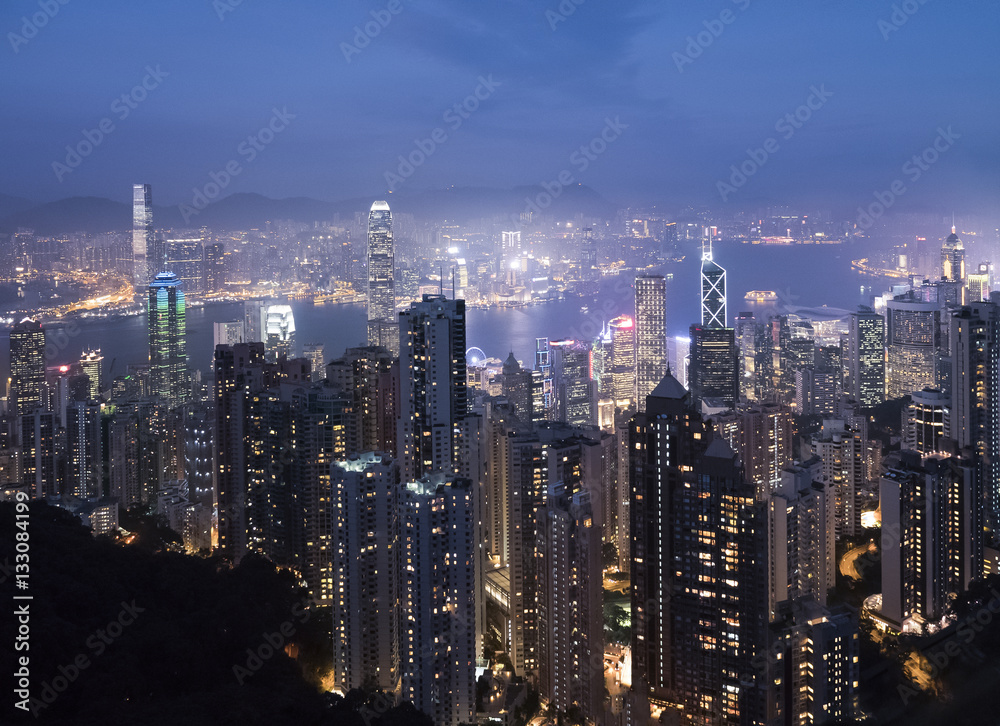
x: 247, y: 211
x: 12, y: 205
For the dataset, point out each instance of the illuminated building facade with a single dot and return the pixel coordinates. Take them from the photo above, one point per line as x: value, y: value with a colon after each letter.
x: 913, y: 339
x: 699, y: 567
x: 865, y: 364
x: 382, y: 326
x: 27, y: 367
x: 145, y: 254
x: 167, y: 338
x: 279, y: 332
x: 713, y: 373
x: 926, y: 421
x: 622, y: 360
x: 650, y: 334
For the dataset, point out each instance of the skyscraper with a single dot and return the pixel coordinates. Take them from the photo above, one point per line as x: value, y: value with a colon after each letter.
x: 926, y: 421
x: 650, y: 334
x: 622, y: 360
x: 214, y: 268
x: 576, y: 390
x: 167, y: 341
x: 865, y: 364
x: 699, y: 567
x: 433, y: 385
x: 913, y: 339
x: 185, y: 257
x: 975, y: 406
x: 313, y: 352
x: 978, y: 283
x: 713, y: 373
x: 953, y: 258
x: 144, y: 254
x: 27, y: 367
x: 278, y: 332
x: 713, y: 291
x: 381, y: 281
x: 90, y: 363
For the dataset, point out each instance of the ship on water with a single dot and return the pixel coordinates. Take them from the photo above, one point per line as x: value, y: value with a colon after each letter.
x: 761, y: 296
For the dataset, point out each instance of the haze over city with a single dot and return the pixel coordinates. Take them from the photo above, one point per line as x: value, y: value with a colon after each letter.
x: 500, y: 363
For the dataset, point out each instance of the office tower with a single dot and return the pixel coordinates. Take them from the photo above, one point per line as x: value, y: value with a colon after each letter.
x: 575, y: 388
x: 167, y: 339
x: 84, y: 460
x: 650, y: 334
x: 695, y: 631
x: 975, y: 407
x: 90, y: 363
x: 39, y: 464
x: 313, y: 352
x: 433, y: 385
x: 228, y: 333
x: 714, y: 365
x: 926, y: 421
x: 381, y: 279
x: 570, y: 610
x: 935, y: 507
x: 437, y: 590
x: 801, y: 527
x: 713, y: 291
x: 815, y: 664
x: 913, y: 339
x: 953, y: 258
x: 278, y: 332
x: 588, y: 255
x: 254, y: 321
x: 544, y: 391
x: 144, y: 249
x: 369, y: 378
x: 865, y: 357
x: 214, y: 268
x: 978, y: 283
x: 622, y: 360
x: 745, y: 330
x: 680, y: 357
x: 842, y: 453
x: 366, y: 492
x: 27, y: 367
x: 185, y: 257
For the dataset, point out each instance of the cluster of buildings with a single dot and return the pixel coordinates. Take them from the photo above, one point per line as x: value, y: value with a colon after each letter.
x: 453, y: 512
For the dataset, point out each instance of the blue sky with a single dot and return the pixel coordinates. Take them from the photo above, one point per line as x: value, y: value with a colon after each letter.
x: 555, y: 88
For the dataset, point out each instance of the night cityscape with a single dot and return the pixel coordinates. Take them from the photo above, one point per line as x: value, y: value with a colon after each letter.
x: 510, y: 363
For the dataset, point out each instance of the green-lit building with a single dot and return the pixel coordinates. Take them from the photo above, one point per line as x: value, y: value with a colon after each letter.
x: 167, y: 346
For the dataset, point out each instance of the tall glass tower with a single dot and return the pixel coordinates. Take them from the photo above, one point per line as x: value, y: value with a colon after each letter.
x: 383, y: 328
x: 167, y: 346
x: 651, y: 334
x: 27, y: 367
x: 953, y: 258
x: 144, y: 254
x: 713, y: 291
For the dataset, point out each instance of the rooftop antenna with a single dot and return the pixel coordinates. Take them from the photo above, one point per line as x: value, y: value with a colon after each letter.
x: 953, y: 223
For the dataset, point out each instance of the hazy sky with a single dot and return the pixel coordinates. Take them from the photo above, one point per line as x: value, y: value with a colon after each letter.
x: 555, y: 72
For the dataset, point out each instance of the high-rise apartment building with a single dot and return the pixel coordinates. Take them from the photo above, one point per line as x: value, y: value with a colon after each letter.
x: 926, y: 421
x: 382, y: 322
x: 185, y: 257
x: 214, y: 268
x: 167, y: 338
x: 650, y: 334
x: 369, y: 378
x: 699, y: 567
x: 842, y: 453
x: 433, y: 385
